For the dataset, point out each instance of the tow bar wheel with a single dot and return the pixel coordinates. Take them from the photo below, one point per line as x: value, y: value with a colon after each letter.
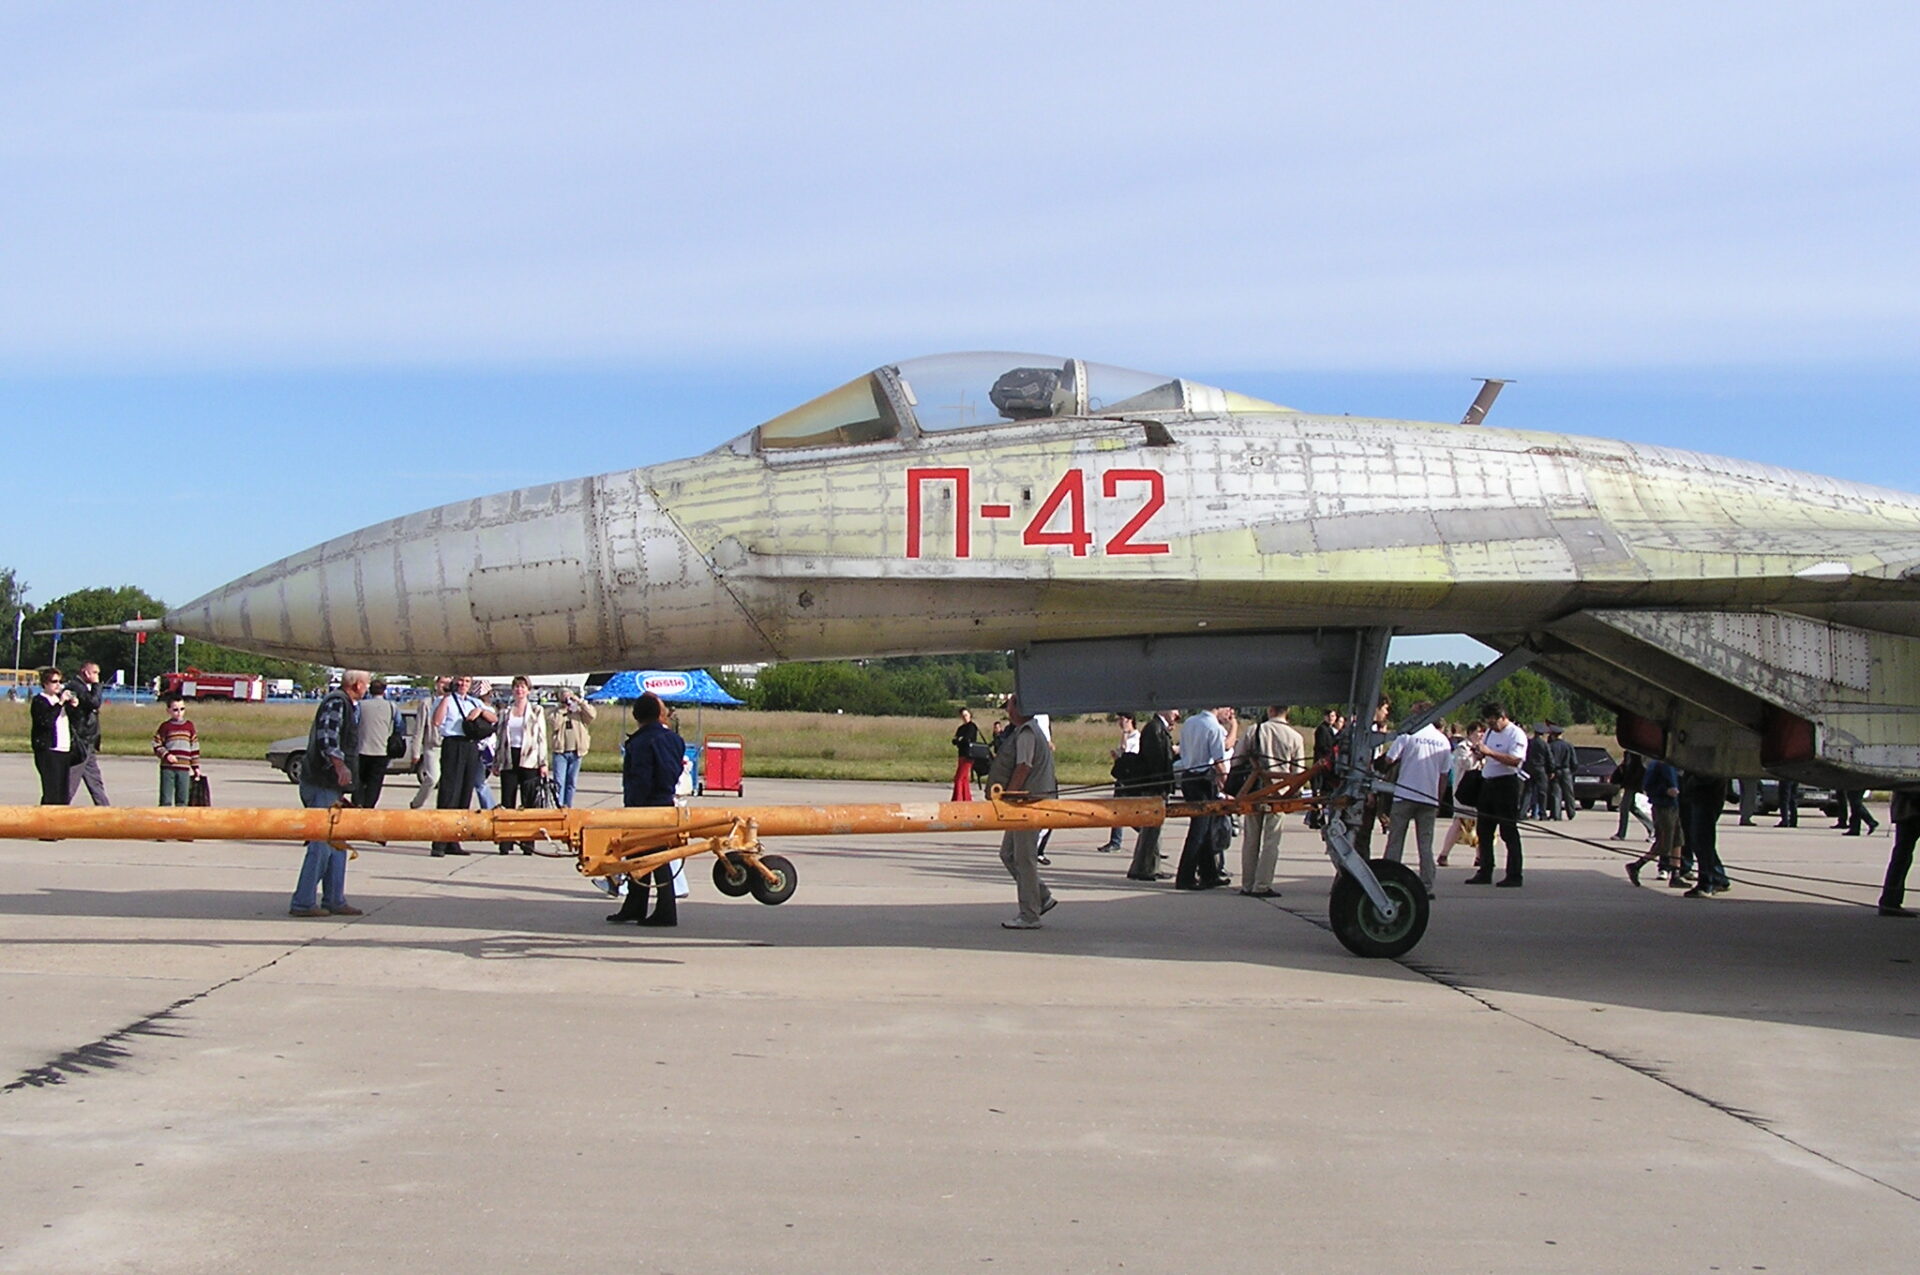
x: 781, y: 888
x: 733, y: 878
x: 1358, y: 924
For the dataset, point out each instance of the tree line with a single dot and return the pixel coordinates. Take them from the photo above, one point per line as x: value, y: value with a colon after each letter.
x: 115, y: 651
x: 938, y: 685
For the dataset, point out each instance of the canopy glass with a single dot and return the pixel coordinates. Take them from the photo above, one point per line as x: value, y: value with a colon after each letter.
x: 971, y: 391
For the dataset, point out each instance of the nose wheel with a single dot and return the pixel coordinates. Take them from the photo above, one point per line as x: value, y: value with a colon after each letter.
x: 1362, y: 929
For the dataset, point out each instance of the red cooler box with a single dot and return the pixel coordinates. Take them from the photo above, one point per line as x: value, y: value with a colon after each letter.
x: 725, y: 758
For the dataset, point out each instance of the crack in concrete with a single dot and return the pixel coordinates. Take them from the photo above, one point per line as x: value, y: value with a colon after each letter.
x: 108, y: 1052
x: 1753, y: 1120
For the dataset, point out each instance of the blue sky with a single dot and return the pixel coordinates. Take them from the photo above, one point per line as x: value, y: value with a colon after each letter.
x: 471, y: 247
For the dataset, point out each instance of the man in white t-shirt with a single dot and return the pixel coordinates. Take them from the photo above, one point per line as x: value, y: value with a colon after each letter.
x: 1503, y: 752
x: 1420, y: 760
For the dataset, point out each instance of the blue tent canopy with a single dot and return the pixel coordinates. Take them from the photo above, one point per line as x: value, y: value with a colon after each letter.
x: 689, y: 686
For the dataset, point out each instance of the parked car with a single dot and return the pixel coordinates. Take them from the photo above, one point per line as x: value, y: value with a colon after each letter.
x: 1593, y: 778
x: 1829, y: 802
x: 285, y: 755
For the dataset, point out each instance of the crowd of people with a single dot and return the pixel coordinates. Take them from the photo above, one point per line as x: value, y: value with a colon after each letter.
x: 1483, y: 777
x: 464, y: 739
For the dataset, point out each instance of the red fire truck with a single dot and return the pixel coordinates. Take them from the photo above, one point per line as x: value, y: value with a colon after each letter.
x: 194, y: 684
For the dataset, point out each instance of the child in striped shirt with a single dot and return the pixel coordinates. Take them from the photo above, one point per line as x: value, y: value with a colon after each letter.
x: 177, y: 745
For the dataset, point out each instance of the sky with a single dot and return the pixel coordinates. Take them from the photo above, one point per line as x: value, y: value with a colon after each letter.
x: 272, y: 272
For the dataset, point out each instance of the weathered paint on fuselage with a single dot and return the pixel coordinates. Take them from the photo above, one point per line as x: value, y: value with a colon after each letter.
x: 1262, y: 521
x: 1267, y: 522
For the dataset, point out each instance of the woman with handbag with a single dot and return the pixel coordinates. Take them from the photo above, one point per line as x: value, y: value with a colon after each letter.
x: 521, y: 759
x: 463, y: 720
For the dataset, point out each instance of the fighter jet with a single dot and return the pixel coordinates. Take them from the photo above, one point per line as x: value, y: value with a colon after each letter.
x: 1145, y: 539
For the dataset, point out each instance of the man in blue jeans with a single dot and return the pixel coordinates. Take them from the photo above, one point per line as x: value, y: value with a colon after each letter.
x: 1203, y: 768
x: 327, y: 772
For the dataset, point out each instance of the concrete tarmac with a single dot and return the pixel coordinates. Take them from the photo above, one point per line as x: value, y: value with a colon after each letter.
x: 481, y: 1074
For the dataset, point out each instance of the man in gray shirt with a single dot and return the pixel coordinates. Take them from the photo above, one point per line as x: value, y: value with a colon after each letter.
x: 376, y: 728
x: 1023, y: 765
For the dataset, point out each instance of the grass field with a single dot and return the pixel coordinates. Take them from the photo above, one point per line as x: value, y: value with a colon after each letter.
x: 778, y: 745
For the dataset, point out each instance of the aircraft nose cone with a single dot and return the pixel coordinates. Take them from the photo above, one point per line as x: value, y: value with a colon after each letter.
x: 552, y: 578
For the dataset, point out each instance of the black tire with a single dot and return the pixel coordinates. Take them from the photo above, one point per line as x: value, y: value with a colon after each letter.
x: 293, y: 766
x: 735, y: 880
x: 1358, y: 926
x: 1586, y: 803
x: 785, y: 880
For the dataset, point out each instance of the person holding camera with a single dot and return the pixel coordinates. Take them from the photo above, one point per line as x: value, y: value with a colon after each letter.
x: 463, y: 721
x: 568, y: 734
x: 52, y: 736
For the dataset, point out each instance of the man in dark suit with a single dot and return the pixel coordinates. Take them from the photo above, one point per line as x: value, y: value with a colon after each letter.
x: 85, y: 717
x: 1155, y: 779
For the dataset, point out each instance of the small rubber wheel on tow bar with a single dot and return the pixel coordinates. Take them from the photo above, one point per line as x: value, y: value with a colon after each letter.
x: 1358, y: 924
x: 781, y: 888
x: 733, y: 878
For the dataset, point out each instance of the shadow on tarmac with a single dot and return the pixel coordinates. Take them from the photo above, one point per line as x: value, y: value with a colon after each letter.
x: 1576, y: 933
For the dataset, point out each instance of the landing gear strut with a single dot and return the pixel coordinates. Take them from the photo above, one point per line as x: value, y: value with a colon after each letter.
x: 1378, y: 907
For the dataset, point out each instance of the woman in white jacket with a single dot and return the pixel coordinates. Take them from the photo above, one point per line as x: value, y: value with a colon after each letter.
x: 521, y: 755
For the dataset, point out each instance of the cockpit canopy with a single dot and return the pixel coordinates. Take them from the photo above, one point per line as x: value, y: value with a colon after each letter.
x: 945, y: 392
